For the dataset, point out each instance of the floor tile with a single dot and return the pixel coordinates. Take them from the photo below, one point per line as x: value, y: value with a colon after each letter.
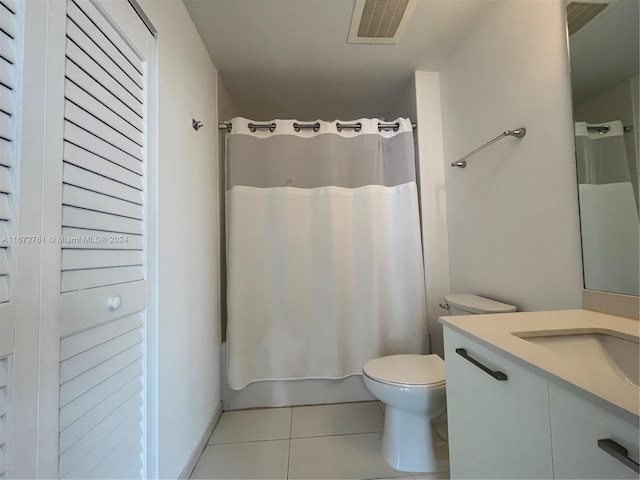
x: 346, y: 418
x: 339, y: 456
x: 244, y: 461
x: 395, y: 478
x: 252, y: 425
x: 442, y: 453
x: 432, y: 476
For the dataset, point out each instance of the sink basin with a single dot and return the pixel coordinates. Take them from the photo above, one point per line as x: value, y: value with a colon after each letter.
x: 603, y: 351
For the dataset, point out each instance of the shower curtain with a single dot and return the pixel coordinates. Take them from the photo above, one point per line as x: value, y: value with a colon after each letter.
x: 608, y: 213
x: 324, y: 258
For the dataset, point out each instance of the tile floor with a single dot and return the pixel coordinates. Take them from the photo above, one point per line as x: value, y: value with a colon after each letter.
x: 323, y: 441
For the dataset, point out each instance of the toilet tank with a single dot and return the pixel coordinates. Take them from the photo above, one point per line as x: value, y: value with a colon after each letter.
x: 467, y: 304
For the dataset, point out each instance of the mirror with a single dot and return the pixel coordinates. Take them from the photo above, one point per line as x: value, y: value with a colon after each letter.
x: 604, y: 48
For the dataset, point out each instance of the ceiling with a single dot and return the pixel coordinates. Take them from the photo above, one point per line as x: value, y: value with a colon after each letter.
x: 606, y: 51
x: 291, y: 59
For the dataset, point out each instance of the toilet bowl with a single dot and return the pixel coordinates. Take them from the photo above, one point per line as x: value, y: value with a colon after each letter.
x: 413, y: 388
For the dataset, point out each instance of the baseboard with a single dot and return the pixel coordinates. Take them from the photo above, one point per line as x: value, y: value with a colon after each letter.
x: 191, y: 464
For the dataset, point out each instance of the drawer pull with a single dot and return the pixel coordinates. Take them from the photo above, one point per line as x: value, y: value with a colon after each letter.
x: 618, y: 452
x: 115, y: 303
x: 494, y: 373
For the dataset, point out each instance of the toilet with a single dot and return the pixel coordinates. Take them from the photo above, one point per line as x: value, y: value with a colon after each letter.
x: 412, y: 388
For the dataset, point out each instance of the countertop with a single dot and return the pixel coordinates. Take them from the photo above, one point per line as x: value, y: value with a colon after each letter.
x: 495, y: 331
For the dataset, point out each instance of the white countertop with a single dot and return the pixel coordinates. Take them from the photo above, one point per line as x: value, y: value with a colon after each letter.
x: 495, y: 331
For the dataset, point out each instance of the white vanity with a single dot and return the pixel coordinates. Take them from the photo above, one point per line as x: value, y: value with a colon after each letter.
x: 543, y: 395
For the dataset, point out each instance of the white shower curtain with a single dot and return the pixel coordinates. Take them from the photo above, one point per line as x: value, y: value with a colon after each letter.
x: 324, y: 256
x: 608, y: 214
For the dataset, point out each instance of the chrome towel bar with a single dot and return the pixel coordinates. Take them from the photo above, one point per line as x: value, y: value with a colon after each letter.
x: 518, y: 133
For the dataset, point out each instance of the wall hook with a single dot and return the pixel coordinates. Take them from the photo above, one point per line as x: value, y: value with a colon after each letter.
x: 196, y: 124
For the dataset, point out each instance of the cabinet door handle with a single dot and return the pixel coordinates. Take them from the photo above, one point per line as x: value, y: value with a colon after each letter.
x: 618, y: 452
x: 494, y: 373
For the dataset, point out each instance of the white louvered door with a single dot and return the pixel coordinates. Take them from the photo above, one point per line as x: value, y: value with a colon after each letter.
x: 103, y: 241
x: 11, y: 29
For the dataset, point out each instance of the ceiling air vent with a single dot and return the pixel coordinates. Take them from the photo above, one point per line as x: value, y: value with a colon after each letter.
x: 581, y: 13
x: 380, y: 21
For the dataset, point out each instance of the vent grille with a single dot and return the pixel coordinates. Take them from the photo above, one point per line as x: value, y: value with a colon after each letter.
x: 380, y: 21
x: 581, y: 13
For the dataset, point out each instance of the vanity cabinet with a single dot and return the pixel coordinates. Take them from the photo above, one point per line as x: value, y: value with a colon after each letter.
x: 576, y: 427
x: 498, y: 427
x: 505, y: 421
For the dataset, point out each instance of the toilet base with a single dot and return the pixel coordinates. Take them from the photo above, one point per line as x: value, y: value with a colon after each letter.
x: 408, y: 442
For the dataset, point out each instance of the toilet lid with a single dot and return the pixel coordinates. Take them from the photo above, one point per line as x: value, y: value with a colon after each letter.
x: 407, y: 369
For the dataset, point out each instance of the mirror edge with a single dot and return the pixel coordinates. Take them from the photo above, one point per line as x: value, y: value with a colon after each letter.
x: 605, y: 302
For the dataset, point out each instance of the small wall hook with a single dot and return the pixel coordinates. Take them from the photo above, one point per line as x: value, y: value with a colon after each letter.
x: 196, y: 124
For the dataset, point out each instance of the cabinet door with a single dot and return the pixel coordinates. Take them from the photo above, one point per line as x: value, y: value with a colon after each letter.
x: 11, y: 61
x: 577, y: 425
x: 497, y: 428
x: 104, y: 241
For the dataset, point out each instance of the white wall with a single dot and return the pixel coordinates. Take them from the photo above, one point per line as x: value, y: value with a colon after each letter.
x: 226, y: 106
x: 226, y: 111
x: 188, y: 284
x: 403, y: 104
x: 513, y: 212
x: 420, y: 101
x: 635, y: 95
x: 433, y: 201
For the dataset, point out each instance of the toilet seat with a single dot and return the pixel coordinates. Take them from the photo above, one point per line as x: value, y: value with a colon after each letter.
x: 409, y: 371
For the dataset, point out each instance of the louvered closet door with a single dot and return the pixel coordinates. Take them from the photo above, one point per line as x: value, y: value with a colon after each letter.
x: 103, y: 251
x: 11, y: 28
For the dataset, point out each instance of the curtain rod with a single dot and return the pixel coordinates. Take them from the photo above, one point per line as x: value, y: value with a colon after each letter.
x: 602, y: 129
x: 315, y: 126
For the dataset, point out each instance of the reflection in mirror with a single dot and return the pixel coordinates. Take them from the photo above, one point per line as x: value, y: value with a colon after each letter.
x: 604, y: 44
